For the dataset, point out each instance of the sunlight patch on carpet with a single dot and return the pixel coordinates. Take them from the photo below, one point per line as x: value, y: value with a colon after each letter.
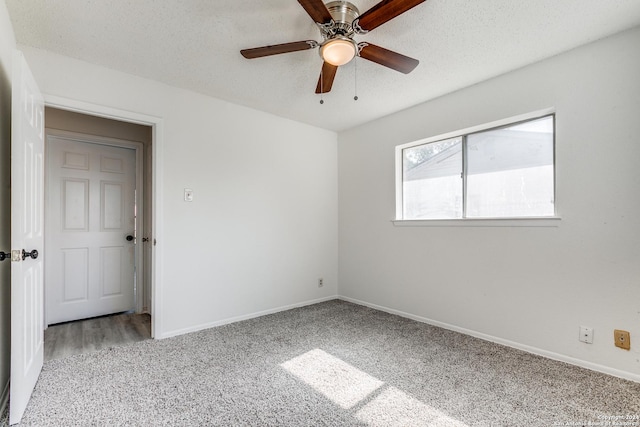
x: 348, y: 386
x: 337, y: 380
x: 395, y: 408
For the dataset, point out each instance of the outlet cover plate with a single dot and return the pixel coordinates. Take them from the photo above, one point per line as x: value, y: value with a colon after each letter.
x: 586, y: 334
x: 622, y: 339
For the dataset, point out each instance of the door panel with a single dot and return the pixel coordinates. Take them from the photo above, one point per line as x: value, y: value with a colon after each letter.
x: 91, y: 209
x: 109, y: 164
x: 75, y: 264
x: 27, y: 201
x: 112, y: 203
x: 76, y: 161
x: 111, y: 269
x: 76, y: 204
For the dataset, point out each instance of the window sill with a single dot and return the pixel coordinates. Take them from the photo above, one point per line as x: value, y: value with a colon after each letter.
x: 553, y: 221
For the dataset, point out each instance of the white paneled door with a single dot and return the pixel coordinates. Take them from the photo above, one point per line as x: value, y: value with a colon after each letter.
x: 27, y: 238
x: 90, y: 233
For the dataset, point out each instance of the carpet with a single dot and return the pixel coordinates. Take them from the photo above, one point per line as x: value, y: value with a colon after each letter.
x: 329, y: 364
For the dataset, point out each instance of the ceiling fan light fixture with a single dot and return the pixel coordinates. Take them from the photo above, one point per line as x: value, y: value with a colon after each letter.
x: 339, y: 21
x: 338, y: 51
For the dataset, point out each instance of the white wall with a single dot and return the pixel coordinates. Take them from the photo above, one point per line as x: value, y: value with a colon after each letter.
x: 263, y: 224
x: 529, y: 287
x: 7, y: 46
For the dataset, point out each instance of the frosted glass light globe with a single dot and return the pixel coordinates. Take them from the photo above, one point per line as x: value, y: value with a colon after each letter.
x: 338, y: 51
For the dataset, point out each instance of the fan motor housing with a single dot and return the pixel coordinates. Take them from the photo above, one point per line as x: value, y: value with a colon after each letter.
x: 343, y: 14
x: 343, y: 11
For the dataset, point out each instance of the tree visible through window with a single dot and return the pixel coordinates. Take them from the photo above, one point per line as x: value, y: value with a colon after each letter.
x: 505, y: 172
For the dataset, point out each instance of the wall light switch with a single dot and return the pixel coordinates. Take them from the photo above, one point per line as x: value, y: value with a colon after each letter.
x: 188, y: 195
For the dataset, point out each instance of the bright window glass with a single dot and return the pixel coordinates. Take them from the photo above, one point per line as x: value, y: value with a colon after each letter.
x: 510, y: 171
x: 432, y: 180
x: 505, y: 172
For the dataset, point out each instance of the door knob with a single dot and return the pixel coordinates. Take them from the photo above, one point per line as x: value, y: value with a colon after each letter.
x: 33, y: 254
x: 129, y: 238
x: 4, y: 255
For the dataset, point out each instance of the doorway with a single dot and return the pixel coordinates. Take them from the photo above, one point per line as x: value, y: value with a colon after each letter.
x: 98, y: 171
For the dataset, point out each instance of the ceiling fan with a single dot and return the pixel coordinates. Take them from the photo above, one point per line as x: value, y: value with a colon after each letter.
x: 339, y: 22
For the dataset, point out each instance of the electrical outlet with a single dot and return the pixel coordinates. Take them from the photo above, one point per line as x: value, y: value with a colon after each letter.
x: 586, y: 334
x: 622, y: 339
x: 320, y: 282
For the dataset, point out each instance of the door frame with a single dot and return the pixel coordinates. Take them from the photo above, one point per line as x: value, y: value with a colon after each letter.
x: 157, y: 149
x: 138, y: 147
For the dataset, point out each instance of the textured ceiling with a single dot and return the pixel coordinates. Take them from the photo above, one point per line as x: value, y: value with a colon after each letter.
x: 194, y: 44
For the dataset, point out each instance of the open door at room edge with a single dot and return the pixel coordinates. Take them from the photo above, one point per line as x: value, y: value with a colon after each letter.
x: 27, y: 236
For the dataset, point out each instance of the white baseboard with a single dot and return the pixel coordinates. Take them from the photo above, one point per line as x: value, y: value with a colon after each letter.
x: 4, y: 397
x: 529, y: 349
x: 243, y: 317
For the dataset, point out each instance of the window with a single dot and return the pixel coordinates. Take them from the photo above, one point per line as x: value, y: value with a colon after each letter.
x: 504, y: 171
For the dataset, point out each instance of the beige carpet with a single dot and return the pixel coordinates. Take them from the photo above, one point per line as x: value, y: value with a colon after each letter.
x: 330, y: 364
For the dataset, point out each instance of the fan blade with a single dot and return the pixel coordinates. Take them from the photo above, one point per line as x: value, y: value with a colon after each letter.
x: 326, y: 78
x: 382, y: 12
x: 388, y: 58
x: 276, y: 49
x: 316, y: 10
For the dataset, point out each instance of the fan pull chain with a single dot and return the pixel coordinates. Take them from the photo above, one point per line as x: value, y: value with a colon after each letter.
x: 355, y: 77
x: 321, y: 81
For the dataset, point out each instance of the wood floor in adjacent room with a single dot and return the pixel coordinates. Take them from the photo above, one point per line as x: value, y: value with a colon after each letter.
x: 84, y: 336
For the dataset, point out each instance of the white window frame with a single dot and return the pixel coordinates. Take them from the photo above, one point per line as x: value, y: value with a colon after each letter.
x: 547, y: 221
